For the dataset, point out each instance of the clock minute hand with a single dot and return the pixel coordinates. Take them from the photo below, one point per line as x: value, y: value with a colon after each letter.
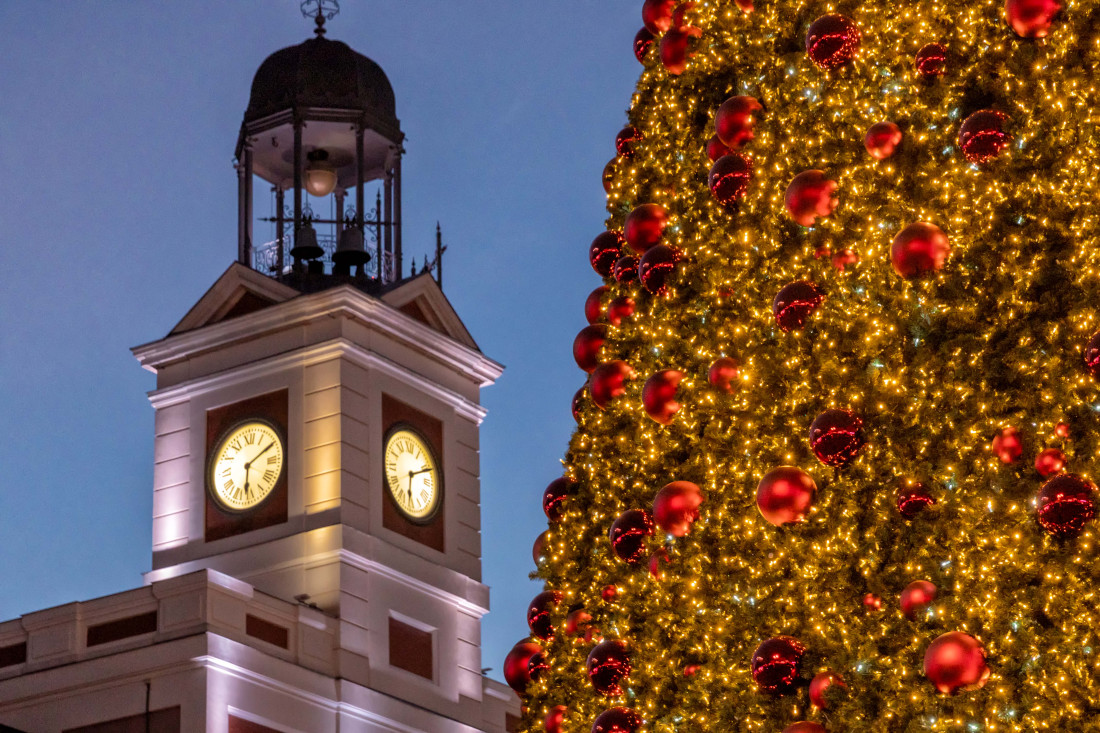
x: 413, y: 473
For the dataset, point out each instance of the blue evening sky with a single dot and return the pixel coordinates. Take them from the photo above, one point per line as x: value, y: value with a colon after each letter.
x: 118, y: 121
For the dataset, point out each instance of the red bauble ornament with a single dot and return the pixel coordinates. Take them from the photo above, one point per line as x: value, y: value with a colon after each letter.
x: 538, y: 613
x: 916, y: 597
x: 1092, y: 355
x: 555, y: 718
x: 643, y: 41
x: 536, y: 665
x: 587, y: 345
x: 626, y: 269
x: 691, y: 670
x: 931, y: 60
x: 577, y: 404
x: 516, y: 673
x: 1066, y: 503
x: 955, y: 661
x: 716, y: 148
x: 609, y: 175
x: 659, y: 395
x: 1062, y: 430
x: 744, y: 5
x: 620, y: 308
x: 832, y: 41
x: 804, y: 726
x: 785, y: 494
x: 578, y: 622
x: 775, y: 664
x: 919, y: 248
x: 913, y: 498
x: 821, y: 683
x: 656, y: 267
x: 628, y: 534
x: 593, y: 305
x: 625, y: 141
x: 872, y: 602
x: 608, y: 381
x: 735, y: 119
x: 882, y: 140
x: 982, y: 135
x: 676, y: 506
x: 538, y: 549
x: 1050, y: 462
x: 1031, y: 18
x: 724, y: 373
x: 607, y: 664
x: 729, y: 178
x: 836, y: 437
x: 617, y: 720
x: 810, y: 196
x: 609, y: 593
x: 657, y: 15
x: 644, y: 227
x: 676, y: 48
x: 657, y: 561
x: 603, y: 252
x: 1007, y: 445
x: 553, y: 498
x: 794, y: 303
x: 843, y: 258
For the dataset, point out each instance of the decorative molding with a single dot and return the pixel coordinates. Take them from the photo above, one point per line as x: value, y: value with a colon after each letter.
x: 373, y: 566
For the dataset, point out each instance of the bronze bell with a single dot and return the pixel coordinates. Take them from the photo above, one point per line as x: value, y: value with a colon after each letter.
x: 351, y: 251
x: 305, y: 243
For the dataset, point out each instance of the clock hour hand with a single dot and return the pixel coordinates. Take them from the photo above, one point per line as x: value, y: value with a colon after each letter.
x: 413, y: 473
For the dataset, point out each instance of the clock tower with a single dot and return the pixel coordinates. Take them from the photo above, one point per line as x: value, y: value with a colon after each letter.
x: 316, y: 498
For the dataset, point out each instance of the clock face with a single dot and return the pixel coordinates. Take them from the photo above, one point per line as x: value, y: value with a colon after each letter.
x: 245, y: 465
x: 412, y: 474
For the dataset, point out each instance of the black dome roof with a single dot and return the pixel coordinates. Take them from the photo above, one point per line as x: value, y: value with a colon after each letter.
x: 320, y: 73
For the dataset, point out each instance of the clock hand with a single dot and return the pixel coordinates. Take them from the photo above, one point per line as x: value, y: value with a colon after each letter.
x: 413, y: 473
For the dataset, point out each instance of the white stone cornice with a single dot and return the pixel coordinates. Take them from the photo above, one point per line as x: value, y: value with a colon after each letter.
x: 373, y: 566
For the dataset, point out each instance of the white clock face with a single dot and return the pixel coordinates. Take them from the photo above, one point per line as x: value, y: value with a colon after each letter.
x: 412, y: 475
x: 245, y: 465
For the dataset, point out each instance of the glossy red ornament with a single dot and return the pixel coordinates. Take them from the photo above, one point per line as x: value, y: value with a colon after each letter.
x: 955, y: 661
x: 729, y: 178
x: 578, y: 622
x: 577, y: 405
x: 643, y: 41
x: 628, y: 535
x: 805, y: 726
x: 656, y: 267
x: 1066, y: 503
x: 1031, y: 18
x: 931, y: 60
x: 744, y: 5
x: 676, y: 507
x: 609, y: 593
x: 1092, y: 355
x: 913, y: 498
x: 644, y: 227
x: 516, y: 673
x: 676, y: 48
x: 617, y: 720
x: 1050, y: 462
x: 608, y: 664
x: 1007, y: 445
x: 716, y: 148
x: 608, y: 381
x: 775, y: 664
x: 836, y: 437
x: 626, y: 269
x: 555, y: 718
x: 553, y: 498
x: 794, y: 303
x: 538, y: 613
x: 735, y: 119
x: 594, y: 311
x: 785, y: 494
x: 538, y: 549
x: 625, y: 141
x: 620, y: 308
x: 609, y: 175
x: 587, y: 345
x: 691, y: 670
x: 919, y: 248
x: 821, y: 683
x: 657, y: 15
x: 982, y: 135
x: 832, y: 41
x: 657, y: 561
x: 882, y: 140
x: 659, y: 395
x: 872, y: 602
x: 605, y: 249
x: 724, y: 373
x: 809, y: 197
x: 536, y: 666
x: 1062, y: 430
x: 916, y: 597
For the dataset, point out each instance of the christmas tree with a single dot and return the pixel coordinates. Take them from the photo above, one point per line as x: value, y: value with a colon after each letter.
x: 831, y: 465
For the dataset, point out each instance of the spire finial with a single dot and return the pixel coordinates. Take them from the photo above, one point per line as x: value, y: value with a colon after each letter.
x: 320, y: 11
